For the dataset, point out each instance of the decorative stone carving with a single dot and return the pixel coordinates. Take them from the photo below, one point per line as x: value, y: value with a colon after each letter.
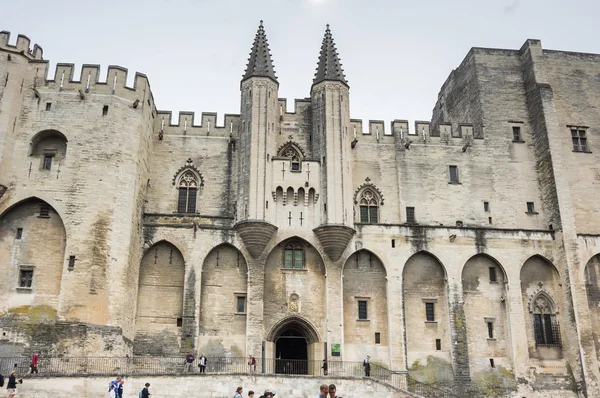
x: 294, y: 303
x: 255, y: 234
x: 365, y: 187
x: 189, y: 166
x: 334, y: 238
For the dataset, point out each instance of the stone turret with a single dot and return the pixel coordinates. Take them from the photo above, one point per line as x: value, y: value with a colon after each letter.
x: 259, y: 118
x: 331, y: 119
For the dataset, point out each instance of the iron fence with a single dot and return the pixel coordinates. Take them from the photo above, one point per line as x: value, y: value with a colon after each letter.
x: 113, y: 366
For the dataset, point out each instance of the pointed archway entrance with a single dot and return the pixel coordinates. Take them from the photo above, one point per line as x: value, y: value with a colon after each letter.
x: 295, y: 344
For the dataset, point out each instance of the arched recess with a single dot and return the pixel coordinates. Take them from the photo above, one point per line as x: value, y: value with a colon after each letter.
x: 159, y: 316
x: 542, y: 299
x: 294, y: 286
x: 425, y: 296
x: 484, y: 292
x: 223, y: 303
x: 365, y: 307
x: 32, y: 252
x: 592, y: 285
x: 50, y: 146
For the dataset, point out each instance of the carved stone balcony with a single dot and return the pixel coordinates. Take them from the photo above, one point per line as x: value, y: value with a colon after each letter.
x: 334, y: 238
x: 255, y: 234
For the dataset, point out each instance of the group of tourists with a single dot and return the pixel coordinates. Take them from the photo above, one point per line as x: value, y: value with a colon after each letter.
x: 325, y: 391
x: 115, y: 389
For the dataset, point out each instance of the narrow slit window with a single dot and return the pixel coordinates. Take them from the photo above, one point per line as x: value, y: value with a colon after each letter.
x: 362, y: 310
x: 486, y: 206
x: 377, y: 338
x: 19, y: 234
x: 48, y: 106
x: 241, y: 304
x: 453, y: 174
x: 429, y: 312
x: 47, y: 162
x: 410, y: 215
x: 438, y: 344
x: 493, y: 276
x: 490, y: 328
x: 516, y: 133
x: 105, y: 110
x: 492, y: 364
x: 530, y: 207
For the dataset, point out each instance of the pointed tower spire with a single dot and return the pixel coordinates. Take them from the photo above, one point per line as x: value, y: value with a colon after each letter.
x: 260, y: 63
x: 329, y: 66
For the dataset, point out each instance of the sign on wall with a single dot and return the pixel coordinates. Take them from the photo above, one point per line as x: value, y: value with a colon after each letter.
x: 335, y: 350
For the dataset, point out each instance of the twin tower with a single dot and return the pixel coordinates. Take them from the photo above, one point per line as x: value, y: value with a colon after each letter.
x: 324, y: 164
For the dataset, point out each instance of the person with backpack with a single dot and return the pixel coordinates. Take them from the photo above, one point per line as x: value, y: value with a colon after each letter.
x: 145, y: 393
x: 238, y: 393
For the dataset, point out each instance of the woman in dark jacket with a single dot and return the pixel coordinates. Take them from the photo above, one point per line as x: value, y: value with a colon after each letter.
x: 12, y: 384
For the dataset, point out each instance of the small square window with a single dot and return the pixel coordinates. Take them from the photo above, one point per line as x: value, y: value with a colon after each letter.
x: 453, y: 174
x: 48, y: 106
x: 377, y: 338
x: 179, y: 322
x: 493, y: 276
x: 410, y: 215
x: 430, y: 312
x: 486, y: 206
x: 25, y: 278
x: 240, y: 304
x: 530, y: 207
x: 438, y: 344
x: 362, y: 310
x: 19, y: 234
x: 490, y: 328
x: 105, y: 110
x: 45, y: 211
x: 47, y: 162
x: 579, y: 139
x: 516, y: 133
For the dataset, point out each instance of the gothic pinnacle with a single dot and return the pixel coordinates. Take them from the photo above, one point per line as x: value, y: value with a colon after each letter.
x: 329, y: 66
x: 260, y: 63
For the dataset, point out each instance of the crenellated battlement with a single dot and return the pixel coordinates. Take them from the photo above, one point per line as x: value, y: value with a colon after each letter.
x: 23, y: 46
x: 186, y: 124
x: 114, y: 83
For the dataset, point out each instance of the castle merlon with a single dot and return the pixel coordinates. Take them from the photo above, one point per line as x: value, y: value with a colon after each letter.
x: 329, y: 66
x: 260, y: 63
x: 22, y: 46
x: 186, y: 124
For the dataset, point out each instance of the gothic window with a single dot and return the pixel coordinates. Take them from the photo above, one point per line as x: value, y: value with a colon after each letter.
x: 545, y: 325
x: 188, y: 190
x: 293, y: 256
x: 368, y: 207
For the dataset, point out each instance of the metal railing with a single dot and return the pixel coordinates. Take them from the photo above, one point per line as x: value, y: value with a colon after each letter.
x: 547, y: 334
x: 111, y: 367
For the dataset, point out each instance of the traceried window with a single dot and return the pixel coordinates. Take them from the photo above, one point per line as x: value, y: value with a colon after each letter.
x: 188, y: 191
x: 545, y: 325
x: 295, y: 158
x: 293, y: 256
x: 368, y: 207
x: 579, y: 140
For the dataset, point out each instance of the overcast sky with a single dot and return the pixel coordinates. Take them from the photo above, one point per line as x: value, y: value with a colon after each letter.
x: 396, y: 54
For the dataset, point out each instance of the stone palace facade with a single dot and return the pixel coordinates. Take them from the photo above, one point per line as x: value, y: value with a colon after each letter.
x: 464, y: 249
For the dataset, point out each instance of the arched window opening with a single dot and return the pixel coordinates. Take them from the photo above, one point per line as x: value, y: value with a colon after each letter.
x: 294, y: 154
x: 188, y: 192
x: 295, y: 164
x: 293, y: 256
x: 368, y: 207
x: 545, y: 325
x: 48, y: 145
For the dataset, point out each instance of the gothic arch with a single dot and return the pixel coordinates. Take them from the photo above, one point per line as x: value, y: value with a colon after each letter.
x: 486, y: 256
x: 368, y: 186
x: 433, y: 256
x: 193, y: 171
x: 291, y: 149
x: 298, y: 322
x: 160, y: 300
x: 592, y: 287
x: 26, y: 226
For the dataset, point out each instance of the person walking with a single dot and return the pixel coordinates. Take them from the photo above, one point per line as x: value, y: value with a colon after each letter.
x: 202, y: 363
x: 189, y: 360
x: 238, y: 393
x: 11, y: 387
x: 252, y: 364
x: 145, y: 393
x: 367, y: 365
x: 34, y: 363
x: 120, y: 388
x: 113, y: 392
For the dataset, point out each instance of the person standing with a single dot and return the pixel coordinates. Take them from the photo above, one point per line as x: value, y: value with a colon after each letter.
x: 252, y: 363
x: 112, y: 393
x: 324, y: 366
x: 146, y: 391
x: 34, y: 363
x: 189, y: 360
x: 238, y: 393
x: 202, y: 363
x: 12, y: 385
x: 250, y: 394
x: 323, y: 391
x: 332, y: 391
x: 367, y: 365
x: 120, y: 388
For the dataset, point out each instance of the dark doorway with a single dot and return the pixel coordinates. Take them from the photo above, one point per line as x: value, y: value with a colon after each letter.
x: 291, y: 353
